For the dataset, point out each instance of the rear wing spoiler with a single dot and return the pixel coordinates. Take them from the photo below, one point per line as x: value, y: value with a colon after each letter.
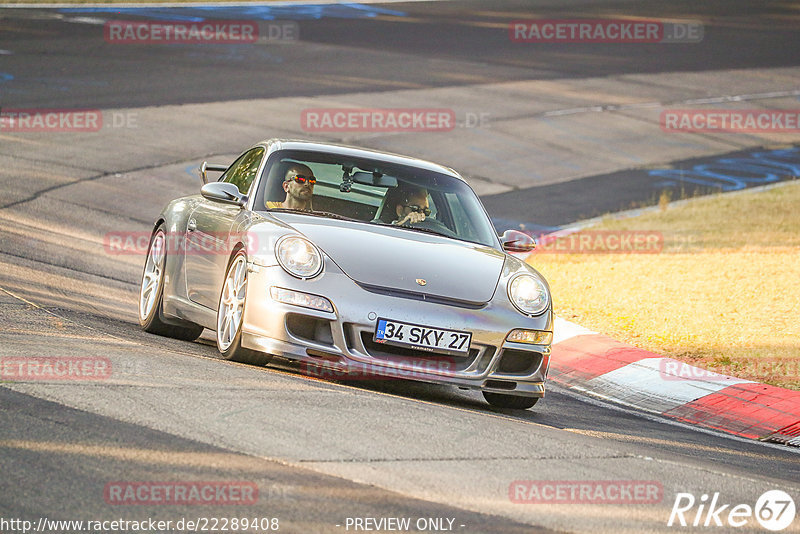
x: 206, y: 166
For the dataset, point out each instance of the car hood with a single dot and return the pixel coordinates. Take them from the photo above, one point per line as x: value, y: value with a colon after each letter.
x: 385, y: 257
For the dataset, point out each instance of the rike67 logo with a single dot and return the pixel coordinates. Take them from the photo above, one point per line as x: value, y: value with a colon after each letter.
x: 774, y: 510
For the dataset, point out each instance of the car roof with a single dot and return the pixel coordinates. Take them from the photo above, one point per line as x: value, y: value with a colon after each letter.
x: 345, y: 150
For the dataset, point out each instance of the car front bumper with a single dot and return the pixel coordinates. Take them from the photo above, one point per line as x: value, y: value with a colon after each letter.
x: 340, y: 344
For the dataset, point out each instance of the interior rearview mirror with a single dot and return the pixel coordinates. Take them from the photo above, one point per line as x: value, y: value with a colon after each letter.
x: 374, y: 179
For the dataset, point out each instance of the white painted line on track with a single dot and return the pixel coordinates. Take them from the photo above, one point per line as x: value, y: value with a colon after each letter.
x: 646, y: 382
x: 688, y: 102
x: 564, y: 330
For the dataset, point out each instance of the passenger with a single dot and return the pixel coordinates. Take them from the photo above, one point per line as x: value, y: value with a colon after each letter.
x: 298, y: 183
x: 412, y: 207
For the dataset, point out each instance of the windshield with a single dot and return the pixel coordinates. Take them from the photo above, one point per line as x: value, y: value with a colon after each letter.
x: 373, y: 192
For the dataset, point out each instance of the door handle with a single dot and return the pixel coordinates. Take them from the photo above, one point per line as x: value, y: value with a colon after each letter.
x: 192, y: 226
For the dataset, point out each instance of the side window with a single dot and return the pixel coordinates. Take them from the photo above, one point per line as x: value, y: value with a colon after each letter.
x: 243, y: 171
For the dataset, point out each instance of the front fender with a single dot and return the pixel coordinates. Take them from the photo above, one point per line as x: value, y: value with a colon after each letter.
x: 175, y: 217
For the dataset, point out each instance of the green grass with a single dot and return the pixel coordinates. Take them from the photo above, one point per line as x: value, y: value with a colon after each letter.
x: 724, y: 293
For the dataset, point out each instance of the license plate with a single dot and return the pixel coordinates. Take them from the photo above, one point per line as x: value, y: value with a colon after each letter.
x: 425, y: 338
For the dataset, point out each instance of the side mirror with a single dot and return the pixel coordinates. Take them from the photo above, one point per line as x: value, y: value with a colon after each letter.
x: 516, y: 241
x: 206, y: 166
x: 223, y: 192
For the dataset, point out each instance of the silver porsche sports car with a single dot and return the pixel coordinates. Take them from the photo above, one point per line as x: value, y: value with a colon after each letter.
x: 354, y: 261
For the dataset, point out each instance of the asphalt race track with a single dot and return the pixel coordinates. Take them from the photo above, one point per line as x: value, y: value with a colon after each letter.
x: 574, y: 122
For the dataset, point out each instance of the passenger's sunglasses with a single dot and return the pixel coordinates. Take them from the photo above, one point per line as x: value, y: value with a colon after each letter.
x: 418, y: 209
x: 300, y: 179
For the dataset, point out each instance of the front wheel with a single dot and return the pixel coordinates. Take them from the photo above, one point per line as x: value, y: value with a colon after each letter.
x: 230, y: 315
x: 151, y: 294
x: 510, y: 402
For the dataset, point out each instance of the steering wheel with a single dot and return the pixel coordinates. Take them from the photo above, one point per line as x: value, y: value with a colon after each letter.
x: 435, y: 225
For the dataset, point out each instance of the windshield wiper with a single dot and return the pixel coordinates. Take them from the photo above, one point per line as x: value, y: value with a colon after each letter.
x: 414, y: 228
x: 327, y: 214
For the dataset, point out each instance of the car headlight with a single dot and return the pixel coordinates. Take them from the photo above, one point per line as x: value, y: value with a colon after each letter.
x: 298, y: 257
x: 529, y: 294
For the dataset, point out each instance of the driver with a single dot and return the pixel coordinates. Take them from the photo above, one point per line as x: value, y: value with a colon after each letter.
x: 298, y: 183
x: 413, y: 206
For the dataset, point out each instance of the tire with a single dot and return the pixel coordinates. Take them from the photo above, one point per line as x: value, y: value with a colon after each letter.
x: 509, y: 402
x: 230, y: 315
x: 151, y: 294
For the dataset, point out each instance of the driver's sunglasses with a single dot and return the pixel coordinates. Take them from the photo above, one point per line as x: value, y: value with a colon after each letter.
x: 418, y: 209
x: 300, y: 179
